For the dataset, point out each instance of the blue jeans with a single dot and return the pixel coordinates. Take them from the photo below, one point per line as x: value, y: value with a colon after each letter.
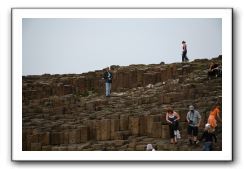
x: 108, y: 89
x: 207, y: 146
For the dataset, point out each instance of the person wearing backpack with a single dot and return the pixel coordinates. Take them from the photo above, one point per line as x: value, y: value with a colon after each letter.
x: 107, y: 76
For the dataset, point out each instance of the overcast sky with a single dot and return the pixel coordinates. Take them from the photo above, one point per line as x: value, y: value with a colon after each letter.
x: 60, y: 46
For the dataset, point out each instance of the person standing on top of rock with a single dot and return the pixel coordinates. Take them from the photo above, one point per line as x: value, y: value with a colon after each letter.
x: 193, y: 118
x: 184, y: 52
x: 107, y: 76
x: 172, y: 118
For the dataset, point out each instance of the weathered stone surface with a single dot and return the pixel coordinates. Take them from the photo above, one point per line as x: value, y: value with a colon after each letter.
x: 165, y: 131
x: 134, y: 125
x: 36, y: 147
x: 31, y: 139
x: 115, y: 123
x: 105, y: 129
x: 74, y: 136
x: 124, y: 121
x: 70, y: 113
x: 83, y: 134
x: 156, y: 129
x: 140, y: 147
x: 44, y: 139
x: 56, y: 138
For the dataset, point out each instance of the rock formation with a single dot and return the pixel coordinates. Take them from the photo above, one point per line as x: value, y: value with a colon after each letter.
x: 70, y: 112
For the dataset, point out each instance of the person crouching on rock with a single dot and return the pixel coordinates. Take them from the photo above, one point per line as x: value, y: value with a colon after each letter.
x: 214, y: 70
x: 172, y: 118
x: 107, y: 76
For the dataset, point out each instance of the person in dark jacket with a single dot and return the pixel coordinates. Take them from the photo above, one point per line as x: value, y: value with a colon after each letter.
x: 107, y: 76
x: 208, y: 136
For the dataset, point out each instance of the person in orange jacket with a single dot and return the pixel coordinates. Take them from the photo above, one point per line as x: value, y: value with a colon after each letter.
x: 214, y: 116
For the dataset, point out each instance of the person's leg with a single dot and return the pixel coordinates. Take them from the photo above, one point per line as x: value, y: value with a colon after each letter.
x: 205, y: 146
x: 184, y: 57
x: 175, y: 136
x: 210, y: 146
x: 171, y: 134
x: 176, y: 126
x: 107, y: 89
x: 110, y: 85
x: 195, y: 133
x: 189, y: 132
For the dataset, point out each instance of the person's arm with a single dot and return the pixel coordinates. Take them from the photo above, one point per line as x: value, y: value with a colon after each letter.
x: 167, y: 118
x: 199, y: 119
x: 104, y: 76
x: 187, y: 117
x: 177, y: 116
x: 218, y: 116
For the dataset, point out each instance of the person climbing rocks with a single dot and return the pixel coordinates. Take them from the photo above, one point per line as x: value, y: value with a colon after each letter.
x: 214, y: 70
x: 173, y: 119
x: 107, y: 76
x: 214, y: 115
x: 193, y: 118
x: 184, y: 52
x: 208, y: 136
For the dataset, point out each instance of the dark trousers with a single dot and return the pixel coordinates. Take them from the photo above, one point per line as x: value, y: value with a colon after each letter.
x: 207, y: 146
x: 184, y: 57
x: 172, y: 128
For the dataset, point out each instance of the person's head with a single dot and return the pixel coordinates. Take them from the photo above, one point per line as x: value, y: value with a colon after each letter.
x: 149, y: 147
x: 218, y: 101
x: 207, y: 127
x: 191, y: 108
x: 170, y: 110
x: 218, y: 106
x: 183, y: 42
x: 107, y: 68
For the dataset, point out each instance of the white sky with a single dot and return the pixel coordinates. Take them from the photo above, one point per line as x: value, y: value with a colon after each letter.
x: 61, y: 46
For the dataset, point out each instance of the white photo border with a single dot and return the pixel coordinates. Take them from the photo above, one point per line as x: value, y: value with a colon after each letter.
x: 227, y: 137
